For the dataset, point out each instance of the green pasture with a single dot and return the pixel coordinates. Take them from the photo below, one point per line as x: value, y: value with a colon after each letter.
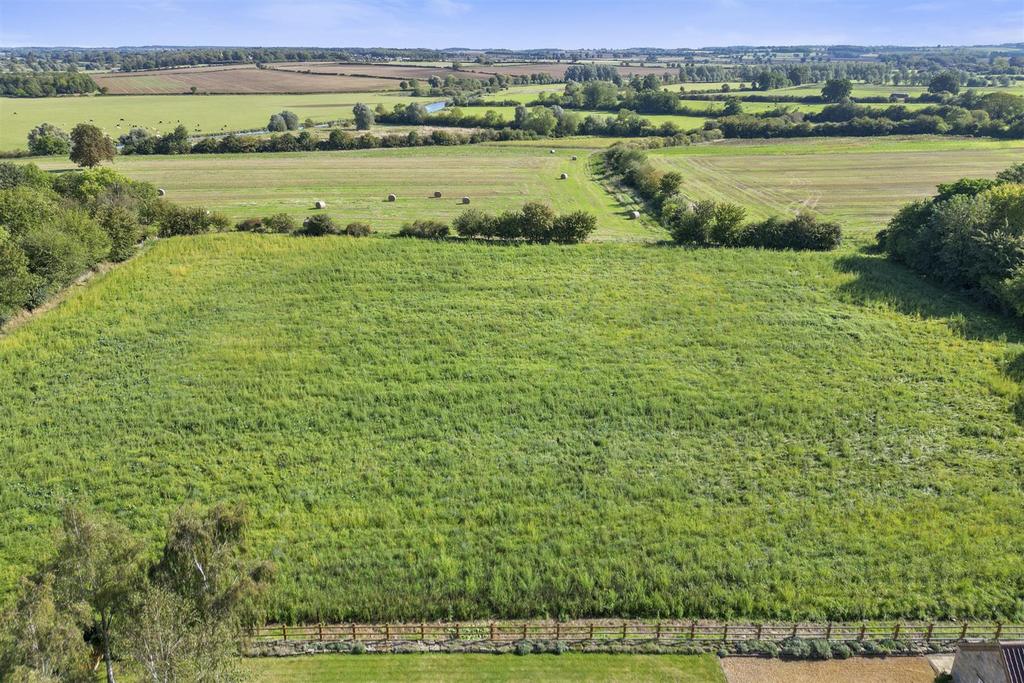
x: 454, y: 430
x: 161, y: 113
x: 481, y: 668
x: 860, y: 182
x: 355, y: 184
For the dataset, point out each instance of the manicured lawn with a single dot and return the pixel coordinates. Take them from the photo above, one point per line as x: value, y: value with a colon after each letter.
x: 860, y: 182
x: 356, y: 184
x: 465, y: 667
x: 454, y: 430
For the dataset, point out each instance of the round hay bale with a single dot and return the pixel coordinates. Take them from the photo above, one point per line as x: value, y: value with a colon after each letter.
x: 574, y: 157
x: 392, y: 198
x: 465, y: 200
x: 565, y: 176
x: 634, y: 214
x: 160, y: 192
x: 319, y: 204
x: 437, y: 195
x: 552, y: 152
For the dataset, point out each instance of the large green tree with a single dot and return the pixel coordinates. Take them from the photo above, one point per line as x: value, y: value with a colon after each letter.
x: 89, y: 146
x: 836, y: 89
x: 363, y: 115
x: 47, y: 139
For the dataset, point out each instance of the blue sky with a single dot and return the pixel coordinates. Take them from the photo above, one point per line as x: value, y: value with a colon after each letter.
x: 509, y: 23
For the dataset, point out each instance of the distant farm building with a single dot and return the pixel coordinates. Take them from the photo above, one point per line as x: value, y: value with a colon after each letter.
x: 999, y: 662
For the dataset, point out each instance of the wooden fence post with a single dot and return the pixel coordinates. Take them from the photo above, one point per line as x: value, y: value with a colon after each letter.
x: 623, y: 630
x: 931, y: 627
x: 591, y: 630
x: 353, y: 631
x: 759, y: 626
x: 863, y: 627
x: 658, y: 635
x: 423, y: 631
x: 725, y: 631
x: 524, y: 630
x: 828, y: 631
x: 558, y: 630
x: 284, y: 631
x: 896, y: 631
x: 693, y: 630
x: 387, y: 631
x: 458, y: 631
x: 492, y: 630
x: 794, y: 630
x: 999, y: 632
x: 963, y: 633
x: 320, y: 631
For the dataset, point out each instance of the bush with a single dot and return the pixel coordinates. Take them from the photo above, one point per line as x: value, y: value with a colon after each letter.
x: 318, y: 225
x: 188, y: 220
x: 804, y: 232
x: 426, y: 229
x: 704, y: 223
x: 574, y: 227
x: 523, y: 647
x: 796, y: 648
x: 279, y: 223
x: 249, y: 225
x: 17, y: 284
x: 47, y: 139
x: 61, y: 249
x: 473, y: 223
x: 358, y: 648
x: 122, y: 227
x: 820, y: 649
x: 537, y: 222
x: 841, y: 650
x: 358, y: 229
x: 15, y: 175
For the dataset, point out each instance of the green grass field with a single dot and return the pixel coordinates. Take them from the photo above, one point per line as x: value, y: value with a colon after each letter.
x: 355, y: 184
x: 859, y: 182
x: 454, y: 430
x: 568, y: 668
x: 199, y: 113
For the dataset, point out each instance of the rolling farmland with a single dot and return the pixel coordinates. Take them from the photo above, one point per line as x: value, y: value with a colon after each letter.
x: 237, y: 80
x: 859, y: 182
x: 200, y: 114
x: 428, y: 430
x: 355, y: 184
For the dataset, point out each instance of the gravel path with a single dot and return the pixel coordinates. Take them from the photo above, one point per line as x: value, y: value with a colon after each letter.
x: 855, y: 670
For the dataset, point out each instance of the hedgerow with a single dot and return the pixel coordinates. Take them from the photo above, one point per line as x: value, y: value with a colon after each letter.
x: 970, y: 235
x: 709, y: 223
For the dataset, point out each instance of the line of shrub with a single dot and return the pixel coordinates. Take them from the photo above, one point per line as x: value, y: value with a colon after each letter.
x: 535, y: 222
x: 709, y: 223
x: 970, y: 235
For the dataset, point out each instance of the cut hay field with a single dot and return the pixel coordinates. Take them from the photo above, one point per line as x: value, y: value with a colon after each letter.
x: 456, y: 430
x: 859, y: 182
x: 355, y: 184
x: 243, y: 80
x: 200, y: 114
x: 480, y: 668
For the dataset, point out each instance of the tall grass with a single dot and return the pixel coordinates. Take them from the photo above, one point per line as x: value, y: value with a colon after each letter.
x: 464, y: 430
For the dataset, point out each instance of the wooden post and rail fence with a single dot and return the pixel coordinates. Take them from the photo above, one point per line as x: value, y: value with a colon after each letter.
x: 668, y: 632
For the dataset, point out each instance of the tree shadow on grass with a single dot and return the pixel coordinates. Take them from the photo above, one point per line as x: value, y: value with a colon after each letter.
x: 879, y: 280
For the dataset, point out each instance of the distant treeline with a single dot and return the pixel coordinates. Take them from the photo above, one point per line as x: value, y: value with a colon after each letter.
x: 42, y: 84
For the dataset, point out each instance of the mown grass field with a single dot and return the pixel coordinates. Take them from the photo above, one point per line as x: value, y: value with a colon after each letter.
x: 455, y: 430
x: 860, y: 182
x: 568, y: 668
x: 355, y: 184
x: 199, y: 113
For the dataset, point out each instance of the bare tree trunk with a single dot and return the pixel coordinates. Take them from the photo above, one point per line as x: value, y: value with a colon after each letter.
x: 105, y: 625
